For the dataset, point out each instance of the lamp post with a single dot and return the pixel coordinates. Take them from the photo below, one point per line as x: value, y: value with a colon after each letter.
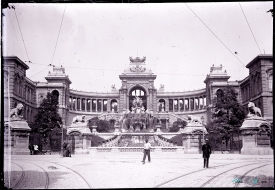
x: 61, y: 154
x: 202, y: 120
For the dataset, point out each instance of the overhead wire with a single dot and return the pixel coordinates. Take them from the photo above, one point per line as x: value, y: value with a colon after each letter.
x: 58, y: 34
x: 21, y: 33
x: 15, y: 34
x: 250, y: 29
x: 214, y: 34
x: 41, y: 71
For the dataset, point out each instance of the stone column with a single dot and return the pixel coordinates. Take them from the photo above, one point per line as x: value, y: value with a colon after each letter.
x: 178, y: 105
x: 96, y: 105
x: 75, y: 103
x: 108, y: 105
x: 173, y: 103
x: 189, y: 104
x: 125, y: 101
x: 85, y: 102
x: 102, y: 105
x: 151, y: 99
x: 80, y: 104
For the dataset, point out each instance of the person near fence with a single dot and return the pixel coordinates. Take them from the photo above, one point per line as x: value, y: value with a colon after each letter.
x: 31, y: 148
x: 206, y: 151
x: 66, y: 149
x: 69, y: 150
x: 146, y: 151
x: 35, y: 147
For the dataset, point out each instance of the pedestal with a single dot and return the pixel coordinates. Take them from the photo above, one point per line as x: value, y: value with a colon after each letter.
x: 158, y: 131
x: 256, y: 136
x: 16, y: 138
x: 94, y: 130
x: 190, y: 140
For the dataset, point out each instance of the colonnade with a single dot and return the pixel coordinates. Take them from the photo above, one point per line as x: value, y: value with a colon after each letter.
x: 185, y: 104
x: 105, y: 105
x: 90, y: 105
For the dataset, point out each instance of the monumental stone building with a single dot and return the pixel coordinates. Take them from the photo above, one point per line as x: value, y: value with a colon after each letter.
x: 136, y: 80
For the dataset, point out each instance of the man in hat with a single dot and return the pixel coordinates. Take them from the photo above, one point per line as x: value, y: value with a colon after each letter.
x: 206, y: 151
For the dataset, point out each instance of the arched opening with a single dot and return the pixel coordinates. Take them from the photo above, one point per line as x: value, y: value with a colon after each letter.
x: 55, y: 94
x: 137, y: 92
x: 219, y: 94
x: 161, y: 107
x: 113, y: 105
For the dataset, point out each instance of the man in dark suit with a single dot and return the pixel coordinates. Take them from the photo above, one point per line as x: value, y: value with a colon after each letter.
x: 206, y: 149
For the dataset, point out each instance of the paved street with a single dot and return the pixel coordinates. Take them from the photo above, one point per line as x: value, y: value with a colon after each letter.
x: 125, y: 170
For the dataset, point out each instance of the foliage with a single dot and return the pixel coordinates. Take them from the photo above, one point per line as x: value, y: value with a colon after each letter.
x: 177, y: 139
x: 102, y: 125
x: 228, y: 114
x: 175, y: 127
x: 270, y: 10
x: 47, y: 120
x: 96, y: 140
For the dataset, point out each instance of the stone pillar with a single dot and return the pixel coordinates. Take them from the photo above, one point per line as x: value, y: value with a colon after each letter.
x: 173, y: 105
x: 102, y: 105
x: 16, y: 137
x: 125, y: 101
x: 109, y: 105
x: 85, y: 102
x: 85, y: 145
x: 75, y: 104
x: 80, y: 104
x: 151, y: 99
x: 178, y: 105
x: 189, y: 104
x: 96, y: 105
x: 256, y: 136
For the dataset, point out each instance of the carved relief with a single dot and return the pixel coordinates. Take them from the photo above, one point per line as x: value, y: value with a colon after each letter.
x: 137, y: 69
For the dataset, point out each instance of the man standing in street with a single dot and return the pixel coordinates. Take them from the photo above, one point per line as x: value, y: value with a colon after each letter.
x: 206, y: 149
x: 146, y: 151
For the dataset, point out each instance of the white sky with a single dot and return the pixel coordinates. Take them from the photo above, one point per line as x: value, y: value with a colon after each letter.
x: 96, y: 40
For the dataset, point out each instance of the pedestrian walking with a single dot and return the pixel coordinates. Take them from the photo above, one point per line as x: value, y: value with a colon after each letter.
x: 35, y: 147
x: 206, y: 151
x: 68, y: 150
x: 146, y: 151
x: 31, y: 148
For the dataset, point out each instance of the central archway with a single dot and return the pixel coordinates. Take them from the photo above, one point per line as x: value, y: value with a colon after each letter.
x: 140, y: 92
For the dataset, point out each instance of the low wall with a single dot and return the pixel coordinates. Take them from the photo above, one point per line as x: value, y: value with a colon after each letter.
x: 95, y: 150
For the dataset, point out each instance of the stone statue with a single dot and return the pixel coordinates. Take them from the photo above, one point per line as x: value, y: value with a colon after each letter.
x: 113, y: 87
x: 194, y: 119
x: 137, y: 105
x: 253, y: 110
x: 16, y: 113
x: 78, y: 119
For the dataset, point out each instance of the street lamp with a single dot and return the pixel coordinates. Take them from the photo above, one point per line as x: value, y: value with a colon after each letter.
x: 61, y: 138
x: 202, y: 120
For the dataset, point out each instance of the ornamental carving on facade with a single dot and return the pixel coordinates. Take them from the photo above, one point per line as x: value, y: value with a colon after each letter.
x: 137, y: 69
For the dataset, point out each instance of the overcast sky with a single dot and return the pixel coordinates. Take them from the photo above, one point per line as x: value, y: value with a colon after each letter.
x: 180, y: 41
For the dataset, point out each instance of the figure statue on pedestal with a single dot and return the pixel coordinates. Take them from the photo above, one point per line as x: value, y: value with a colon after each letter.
x: 16, y: 113
x: 194, y: 119
x: 253, y: 110
x: 78, y: 119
